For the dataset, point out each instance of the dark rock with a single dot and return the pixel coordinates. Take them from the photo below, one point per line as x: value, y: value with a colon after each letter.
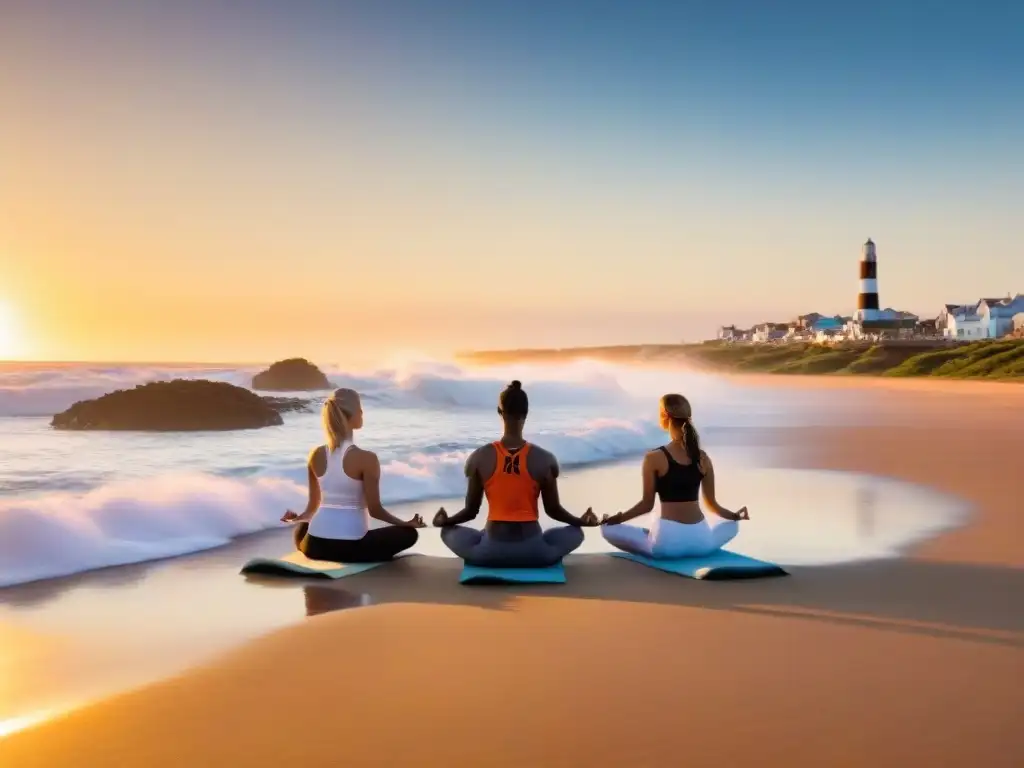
x: 172, y: 406
x: 293, y: 375
x: 291, y: 404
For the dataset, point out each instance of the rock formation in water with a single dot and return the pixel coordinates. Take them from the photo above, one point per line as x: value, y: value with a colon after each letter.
x: 173, y: 406
x: 292, y: 404
x: 293, y: 375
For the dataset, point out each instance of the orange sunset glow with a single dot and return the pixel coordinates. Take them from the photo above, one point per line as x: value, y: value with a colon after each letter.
x: 230, y: 190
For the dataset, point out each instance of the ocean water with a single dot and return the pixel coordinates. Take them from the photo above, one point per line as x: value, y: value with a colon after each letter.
x: 71, y: 503
x: 76, y: 501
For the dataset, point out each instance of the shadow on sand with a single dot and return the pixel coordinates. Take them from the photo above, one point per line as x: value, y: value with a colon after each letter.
x: 946, y: 600
x: 964, y: 601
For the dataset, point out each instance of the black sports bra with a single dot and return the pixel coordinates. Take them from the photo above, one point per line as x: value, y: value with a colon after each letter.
x: 681, y: 482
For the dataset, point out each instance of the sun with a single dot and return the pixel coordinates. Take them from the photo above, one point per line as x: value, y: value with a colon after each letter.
x: 10, y: 338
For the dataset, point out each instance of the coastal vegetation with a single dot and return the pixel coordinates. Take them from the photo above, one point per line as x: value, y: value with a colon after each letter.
x: 1001, y: 359
x: 989, y: 359
x: 172, y: 406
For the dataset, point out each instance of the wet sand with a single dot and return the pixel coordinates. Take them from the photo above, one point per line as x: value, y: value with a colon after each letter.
x: 909, y: 661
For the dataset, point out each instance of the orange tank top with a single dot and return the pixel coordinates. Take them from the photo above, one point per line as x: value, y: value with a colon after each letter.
x: 511, y: 492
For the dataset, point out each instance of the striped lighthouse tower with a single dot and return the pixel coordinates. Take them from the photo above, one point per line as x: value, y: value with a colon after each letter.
x: 867, y: 301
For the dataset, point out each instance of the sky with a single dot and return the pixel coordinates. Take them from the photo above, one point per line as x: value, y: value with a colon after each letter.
x: 222, y: 181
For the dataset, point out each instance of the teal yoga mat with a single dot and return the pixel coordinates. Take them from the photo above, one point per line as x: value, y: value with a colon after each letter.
x: 472, y: 574
x: 718, y: 566
x: 297, y: 564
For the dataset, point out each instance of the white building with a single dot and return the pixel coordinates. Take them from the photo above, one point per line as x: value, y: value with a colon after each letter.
x: 968, y: 326
x: 765, y: 332
x: 998, y: 315
x: 986, y: 319
x: 944, y: 323
x: 727, y: 333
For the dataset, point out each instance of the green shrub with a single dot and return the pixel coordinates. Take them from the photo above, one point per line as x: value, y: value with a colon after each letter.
x: 923, y: 364
x: 981, y: 359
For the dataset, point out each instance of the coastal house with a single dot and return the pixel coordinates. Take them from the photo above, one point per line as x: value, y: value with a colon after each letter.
x: 997, y: 315
x: 729, y: 333
x: 987, y: 318
x: 798, y: 333
x: 967, y: 325
x: 948, y: 311
x: 765, y: 332
x: 887, y: 323
x: 732, y: 333
x: 946, y: 322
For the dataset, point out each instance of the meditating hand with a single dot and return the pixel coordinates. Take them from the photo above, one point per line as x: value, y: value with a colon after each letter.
x: 416, y: 522
x: 288, y: 516
x: 742, y: 514
x: 441, y: 518
x: 589, y: 519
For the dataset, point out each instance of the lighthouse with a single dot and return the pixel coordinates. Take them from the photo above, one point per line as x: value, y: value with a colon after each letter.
x: 867, y: 300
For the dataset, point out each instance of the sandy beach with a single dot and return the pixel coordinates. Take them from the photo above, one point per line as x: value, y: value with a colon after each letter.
x: 909, y: 661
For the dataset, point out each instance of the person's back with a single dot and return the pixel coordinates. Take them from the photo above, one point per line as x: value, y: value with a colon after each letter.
x: 344, y: 493
x: 512, y: 475
x: 511, y: 490
x: 342, y: 513
x: 675, y: 474
x: 678, y: 481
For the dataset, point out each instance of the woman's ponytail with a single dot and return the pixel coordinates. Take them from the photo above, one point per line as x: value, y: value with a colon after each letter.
x: 336, y: 426
x: 691, y: 441
x: 676, y: 412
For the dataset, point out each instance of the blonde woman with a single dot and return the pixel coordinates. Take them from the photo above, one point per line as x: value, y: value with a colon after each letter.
x: 676, y: 473
x: 344, y: 493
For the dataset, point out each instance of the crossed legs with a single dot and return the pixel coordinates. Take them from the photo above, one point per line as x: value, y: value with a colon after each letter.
x: 540, y: 551
x: 671, y: 539
x: 377, y: 545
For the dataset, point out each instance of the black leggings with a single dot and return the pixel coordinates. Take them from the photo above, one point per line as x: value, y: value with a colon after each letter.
x: 377, y: 545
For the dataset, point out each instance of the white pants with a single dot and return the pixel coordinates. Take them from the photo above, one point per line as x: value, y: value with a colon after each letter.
x: 669, y: 539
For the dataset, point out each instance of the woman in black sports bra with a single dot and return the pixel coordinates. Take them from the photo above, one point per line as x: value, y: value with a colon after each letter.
x: 675, y: 473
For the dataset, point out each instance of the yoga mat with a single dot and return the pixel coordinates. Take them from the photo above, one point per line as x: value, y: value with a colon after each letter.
x: 472, y: 574
x: 718, y: 566
x: 297, y: 564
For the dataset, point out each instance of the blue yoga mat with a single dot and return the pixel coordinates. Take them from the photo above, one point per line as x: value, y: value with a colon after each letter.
x: 718, y: 565
x: 472, y: 574
x: 297, y: 564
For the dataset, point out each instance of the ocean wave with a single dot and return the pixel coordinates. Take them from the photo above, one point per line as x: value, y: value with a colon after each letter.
x: 170, y: 515
x: 131, y: 522
x: 198, y: 491
x: 40, y: 390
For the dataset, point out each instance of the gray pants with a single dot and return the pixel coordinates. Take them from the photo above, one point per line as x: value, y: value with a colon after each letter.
x: 512, y: 545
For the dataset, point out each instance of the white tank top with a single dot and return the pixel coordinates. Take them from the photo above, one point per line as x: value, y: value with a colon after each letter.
x: 342, y: 513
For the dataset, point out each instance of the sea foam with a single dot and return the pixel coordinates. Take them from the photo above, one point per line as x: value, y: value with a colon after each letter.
x: 169, y: 515
x: 138, y: 497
